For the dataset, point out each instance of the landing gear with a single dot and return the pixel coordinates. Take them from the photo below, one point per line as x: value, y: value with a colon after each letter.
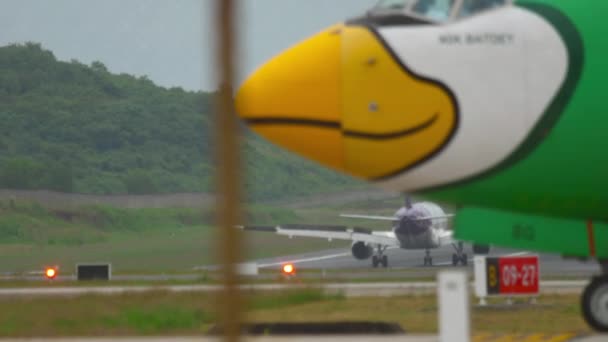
x: 594, y: 302
x: 380, y: 258
x: 428, y: 260
x: 460, y: 257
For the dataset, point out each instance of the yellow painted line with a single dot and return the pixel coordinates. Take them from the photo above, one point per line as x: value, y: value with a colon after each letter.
x: 507, y: 338
x: 482, y: 337
x: 561, y: 338
x: 534, y: 338
x: 486, y: 337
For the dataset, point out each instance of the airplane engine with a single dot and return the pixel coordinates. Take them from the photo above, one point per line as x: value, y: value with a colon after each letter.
x: 481, y: 249
x: 361, y: 251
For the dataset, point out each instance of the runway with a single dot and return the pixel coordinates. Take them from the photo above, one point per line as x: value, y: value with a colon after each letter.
x: 411, y: 262
x: 339, y: 264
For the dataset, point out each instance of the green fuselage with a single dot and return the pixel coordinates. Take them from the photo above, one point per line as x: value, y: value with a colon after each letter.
x: 565, y: 172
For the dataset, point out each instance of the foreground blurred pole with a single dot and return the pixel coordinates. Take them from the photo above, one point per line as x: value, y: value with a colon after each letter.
x: 454, y: 312
x: 228, y: 177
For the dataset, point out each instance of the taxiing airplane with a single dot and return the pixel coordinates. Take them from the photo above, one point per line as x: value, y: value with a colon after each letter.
x: 496, y: 105
x: 422, y: 225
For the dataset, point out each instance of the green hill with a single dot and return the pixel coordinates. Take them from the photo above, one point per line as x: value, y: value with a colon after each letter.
x: 71, y: 127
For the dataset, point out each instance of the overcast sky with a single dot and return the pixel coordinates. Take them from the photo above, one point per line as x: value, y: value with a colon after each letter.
x: 170, y: 41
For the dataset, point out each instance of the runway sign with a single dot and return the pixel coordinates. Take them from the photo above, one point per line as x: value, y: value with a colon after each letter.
x: 507, y: 276
x: 247, y: 269
x: 93, y: 271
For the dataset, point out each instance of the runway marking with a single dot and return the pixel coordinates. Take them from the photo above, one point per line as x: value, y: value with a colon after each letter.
x: 348, y: 289
x: 523, y: 338
x: 324, y: 257
x: 299, y: 261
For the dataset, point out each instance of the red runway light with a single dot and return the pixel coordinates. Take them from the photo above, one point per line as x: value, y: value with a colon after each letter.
x: 289, y: 269
x: 50, y: 273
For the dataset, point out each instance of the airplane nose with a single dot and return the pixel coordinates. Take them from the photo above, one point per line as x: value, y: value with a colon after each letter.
x: 295, y: 99
x: 343, y: 99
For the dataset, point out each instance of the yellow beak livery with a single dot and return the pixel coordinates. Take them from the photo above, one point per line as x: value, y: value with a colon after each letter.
x: 342, y: 98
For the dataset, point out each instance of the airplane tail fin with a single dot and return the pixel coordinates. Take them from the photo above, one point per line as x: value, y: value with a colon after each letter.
x: 408, y: 202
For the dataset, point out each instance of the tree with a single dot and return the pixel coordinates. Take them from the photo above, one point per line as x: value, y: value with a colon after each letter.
x: 139, y: 183
x: 20, y: 173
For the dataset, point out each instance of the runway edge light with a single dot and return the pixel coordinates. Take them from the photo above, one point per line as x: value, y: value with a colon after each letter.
x: 50, y: 273
x: 289, y: 269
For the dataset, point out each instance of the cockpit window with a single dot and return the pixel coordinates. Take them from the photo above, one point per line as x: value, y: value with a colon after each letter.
x: 437, y: 10
x: 434, y: 10
x: 471, y: 7
x: 393, y: 4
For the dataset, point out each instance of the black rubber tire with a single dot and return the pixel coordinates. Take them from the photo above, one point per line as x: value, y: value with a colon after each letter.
x: 454, y: 260
x: 597, y: 284
x: 375, y: 261
x: 384, y: 261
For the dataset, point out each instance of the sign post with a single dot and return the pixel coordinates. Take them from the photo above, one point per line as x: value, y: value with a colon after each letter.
x: 454, y: 316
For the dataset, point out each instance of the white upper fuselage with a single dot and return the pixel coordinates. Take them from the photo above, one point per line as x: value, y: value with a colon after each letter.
x: 493, y: 63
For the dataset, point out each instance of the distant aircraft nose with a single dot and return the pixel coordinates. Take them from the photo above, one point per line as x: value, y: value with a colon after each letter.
x: 344, y: 100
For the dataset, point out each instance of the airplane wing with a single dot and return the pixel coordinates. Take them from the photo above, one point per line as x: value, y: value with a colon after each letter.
x: 394, y: 218
x: 371, y: 217
x: 446, y: 237
x: 446, y: 216
x: 383, y: 238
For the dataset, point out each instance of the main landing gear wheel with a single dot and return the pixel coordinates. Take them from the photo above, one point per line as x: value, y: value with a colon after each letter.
x: 594, y: 303
x: 459, y: 257
x: 463, y: 259
x: 384, y: 261
x: 428, y: 260
x: 379, y: 258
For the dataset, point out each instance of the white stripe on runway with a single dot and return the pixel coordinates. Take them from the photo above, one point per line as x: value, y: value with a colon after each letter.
x: 299, y: 261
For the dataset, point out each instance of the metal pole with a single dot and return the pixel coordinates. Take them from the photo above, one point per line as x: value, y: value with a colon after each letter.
x: 228, y: 174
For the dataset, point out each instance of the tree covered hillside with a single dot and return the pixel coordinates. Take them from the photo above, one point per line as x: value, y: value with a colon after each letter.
x: 76, y: 128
